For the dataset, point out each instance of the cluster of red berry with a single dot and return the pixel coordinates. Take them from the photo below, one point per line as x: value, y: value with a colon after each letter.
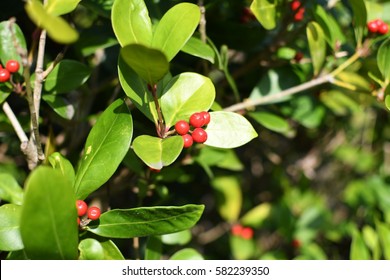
x: 93, y: 212
x: 299, y: 10
x: 243, y: 232
x: 198, y: 134
x: 12, y: 66
x: 377, y: 26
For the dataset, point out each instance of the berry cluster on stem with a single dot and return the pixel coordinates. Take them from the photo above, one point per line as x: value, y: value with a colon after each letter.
x: 377, y: 26
x: 12, y: 66
x: 88, y: 214
x: 298, y: 9
x: 197, y: 121
x: 241, y: 231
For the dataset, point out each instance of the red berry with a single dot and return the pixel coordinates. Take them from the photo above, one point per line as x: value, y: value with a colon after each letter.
x: 4, y: 75
x: 154, y: 170
x: 383, y: 29
x: 206, y: 117
x: 300, y: 14
x: 12, y: 66
x: 182, y: 127
x: 199, y: 135
x: 197, y: 120
x: 295, y: 5
x: 188, y: 141
x: 93, y: 213
x: 372, y: 26
x: 81, y: 207
x: 78, y: 220
x: 296, y: 243
x: 237, y: 230
x: 298, y: 56
x: 247, y: 233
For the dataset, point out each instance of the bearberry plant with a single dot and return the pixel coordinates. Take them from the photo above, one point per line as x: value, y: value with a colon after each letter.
x: 194, y: 130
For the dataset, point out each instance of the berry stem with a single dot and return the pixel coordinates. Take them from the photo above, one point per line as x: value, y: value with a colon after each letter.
x: 160, y: 126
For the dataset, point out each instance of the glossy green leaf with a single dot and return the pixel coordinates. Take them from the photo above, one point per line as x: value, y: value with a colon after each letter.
x: 177, y: 238
x: 271, y: 121
x: 184, y: 95
x: 105, y: 148
x: 229, y: 197
x: 57, y: 28
x: 10, y: 190
x: 60, y: 105
x: 383, y: 59
x: 149, y: 63
x: 60, y: 7
x: 137, y: 90
x: 257, y: 215
x: 10, y: 238
x: 48, y: 222
x: 63, y: 165
x: 4, y: 94
x: 359, y: 250
x: 359, y: 19
x: 387, y: 102
x: 187, y: 254
x: 384, y: 237
x: 157, y: 152
x: 145, y: 221
x: 66, y: 76
x: 196, y: 47
x: 371, y: 239
x: 333, y: 34
x: 317, y: 45
x: 111, y: 251
x: 228, y: 130
x: 153, y: 249
x: 242, y: 249
x: 10, y: 33
x: 265, y: 12
x: 176, y: 28
x: 131, y: 22
x: 91, y: 249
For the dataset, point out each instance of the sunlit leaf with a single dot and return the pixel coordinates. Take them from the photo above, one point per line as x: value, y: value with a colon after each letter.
x: 10, y: 238
x: 10, y: 190
x: 61, y: 7
x: 383, y: 60
x: 265, y: 12
x: 187, y: 254
x: 317, y: 45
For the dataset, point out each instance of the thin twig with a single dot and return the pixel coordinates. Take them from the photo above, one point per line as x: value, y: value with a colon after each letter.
x: 15, y: 123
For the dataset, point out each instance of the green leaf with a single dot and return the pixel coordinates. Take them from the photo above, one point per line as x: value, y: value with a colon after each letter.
x: 61, y: 7
x: 105, y: 148
x: 153, y: 248
x: 187, y: 254
x: 228, y: 130
x: 196, y: 47
x: 184, y: 95
x: 333, y: 34
x: 10, y: 190
x: 57, y: 28
x: 4, y: 94
x: 229, y: 197
x: 91, y: 249
x: 59, y: 105
x: 157, y: 152
x: 387, y: 102
x: 48, y: 221
x: 63, y: 165
x: 265, y: 12
x: 384, y: 237
x: 145, y: 221
x: 359, y: 19
x: 175, y: 28
x: 10, y: 239
x: 150, y: 64
x: 271, y: 121
x: 339, y: 102
x: 242, y: 249
x: 383, y: 59
x: 111, y: 251
x: 177, y: 238
x: 257, y: 215
x: 317, y: 45
x: 131, y: 22
x: 359, y: 250
x: 67, y: 75
x: 371, y: 239
x: 10, y: 33
x: 137, y: 90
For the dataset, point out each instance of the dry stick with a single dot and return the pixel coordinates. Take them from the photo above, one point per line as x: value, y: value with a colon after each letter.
x: 15, y: 123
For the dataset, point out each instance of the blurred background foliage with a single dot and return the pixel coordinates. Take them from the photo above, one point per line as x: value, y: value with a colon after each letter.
x: 315, y: 184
